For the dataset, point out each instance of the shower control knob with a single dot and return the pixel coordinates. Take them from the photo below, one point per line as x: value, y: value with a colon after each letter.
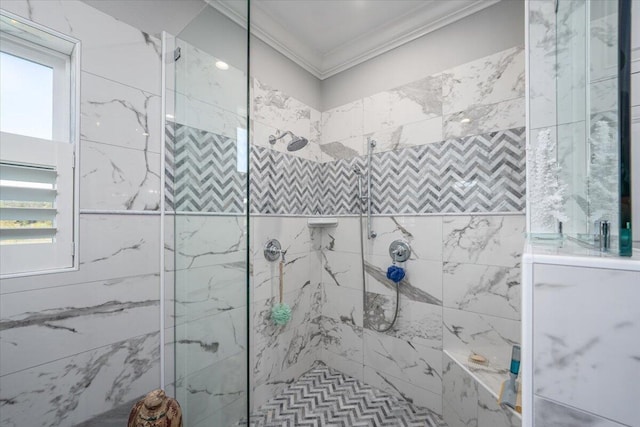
x: 399, y: 250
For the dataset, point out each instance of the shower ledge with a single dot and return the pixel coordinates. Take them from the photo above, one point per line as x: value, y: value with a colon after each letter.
x: 488, y: 376
x: 324, y: 221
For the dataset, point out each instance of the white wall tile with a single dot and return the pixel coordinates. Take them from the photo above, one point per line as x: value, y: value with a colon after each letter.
x: 68, y: 391
x: 115, y: 178
x: 116, y: 114
x: 492, y: 337
x: 482, y: 289
x: 489, y: 80
x: 578, y: 326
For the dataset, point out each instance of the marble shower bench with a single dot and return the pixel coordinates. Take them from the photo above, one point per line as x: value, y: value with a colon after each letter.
x: 470, y: 394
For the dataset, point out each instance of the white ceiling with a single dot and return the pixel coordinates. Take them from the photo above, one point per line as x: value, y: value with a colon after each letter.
x: 329, y: 36
x: 324, y: 37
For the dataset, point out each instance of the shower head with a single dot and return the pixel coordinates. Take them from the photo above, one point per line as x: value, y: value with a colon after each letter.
x: 356, y: 170
x: 297, y: 143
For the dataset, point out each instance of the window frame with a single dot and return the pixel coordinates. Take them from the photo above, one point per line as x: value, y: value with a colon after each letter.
x: 63, y: 55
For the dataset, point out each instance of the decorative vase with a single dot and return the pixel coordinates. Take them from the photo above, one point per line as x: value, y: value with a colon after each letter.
x: 156, y: 410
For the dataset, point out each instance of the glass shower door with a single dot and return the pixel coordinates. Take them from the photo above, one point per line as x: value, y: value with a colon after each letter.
x: 206, y: 188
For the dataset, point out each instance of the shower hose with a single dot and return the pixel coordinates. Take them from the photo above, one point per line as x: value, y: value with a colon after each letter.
x: 364, y: 289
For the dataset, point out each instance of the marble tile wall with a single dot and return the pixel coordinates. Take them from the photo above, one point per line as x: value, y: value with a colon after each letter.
x: 280, y: 354
x: 461, y: 293
x: 99, y: 325
x: 442, y: 302
x: 575, y: 356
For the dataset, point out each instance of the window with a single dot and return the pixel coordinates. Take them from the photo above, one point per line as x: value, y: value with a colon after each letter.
x: 38, y: 142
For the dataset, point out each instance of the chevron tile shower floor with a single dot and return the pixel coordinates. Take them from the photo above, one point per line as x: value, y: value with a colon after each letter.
x: 328, y: 398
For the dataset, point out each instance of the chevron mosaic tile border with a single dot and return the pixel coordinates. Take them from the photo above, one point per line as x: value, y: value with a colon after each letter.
x: 284, y: 184
x: 481, y: 173
x: 326, y: 397
x: 201, y: 172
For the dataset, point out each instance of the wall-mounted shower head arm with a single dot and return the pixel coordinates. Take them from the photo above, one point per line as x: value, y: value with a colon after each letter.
x: 274, y: 138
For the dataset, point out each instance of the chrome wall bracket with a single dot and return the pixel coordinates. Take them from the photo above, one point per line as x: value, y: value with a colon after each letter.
x: 272, y: 250
x: 399, y: 251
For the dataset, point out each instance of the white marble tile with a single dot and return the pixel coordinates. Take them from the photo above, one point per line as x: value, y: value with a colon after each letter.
x: 460, y: 391
x: 452, y: 419
x: 571, y: 61
x: 420, y: 366
x: 111, y: 246
x: 107, y: 44
x: 315, y: 131
x: 68, y: 320
x: 228, y: 415
x: 494, y: 78
x: 116, y: 114
x: 282, y: 354
x: 198, y: 78
x: 209, y: 240
x: 279, y: 110
x: 491, y: 414
x: 413, y: 102
x: 292, y: 232
x: 115, y: 178
x: 407, y: 135
x: 342, y: 122
x: 422, y: 282
x: 492, y: 337
x: 423, y: 233
x: 68, y: 391
x: 488, y: 240
x: 404, y: 390
x: 192, y: 112
x: 542, y: 63
x: 417, y: 323
x: 204, y: 392
x: 210, y: 339
x: 483, y: 119
x: 342, y: 303
x: 210, y: 290
x: 549, y: 413
x: 582, y: 339
x: 482, y: 289
x: 352, y: 368
x: 345, y: 237
x: 266, y: 275
x: 343, y: 339
x: 348, y: 148
x: 341, y: 269
x: 275, y: 347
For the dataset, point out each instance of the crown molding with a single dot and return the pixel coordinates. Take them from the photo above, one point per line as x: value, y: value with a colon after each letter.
x: 434, y: 15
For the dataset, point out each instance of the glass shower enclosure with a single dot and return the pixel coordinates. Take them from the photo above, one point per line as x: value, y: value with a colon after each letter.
x: 205, y: 219
x: 578, y: 170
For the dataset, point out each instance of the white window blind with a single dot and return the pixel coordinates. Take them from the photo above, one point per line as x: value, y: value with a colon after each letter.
x: 36, y: 204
